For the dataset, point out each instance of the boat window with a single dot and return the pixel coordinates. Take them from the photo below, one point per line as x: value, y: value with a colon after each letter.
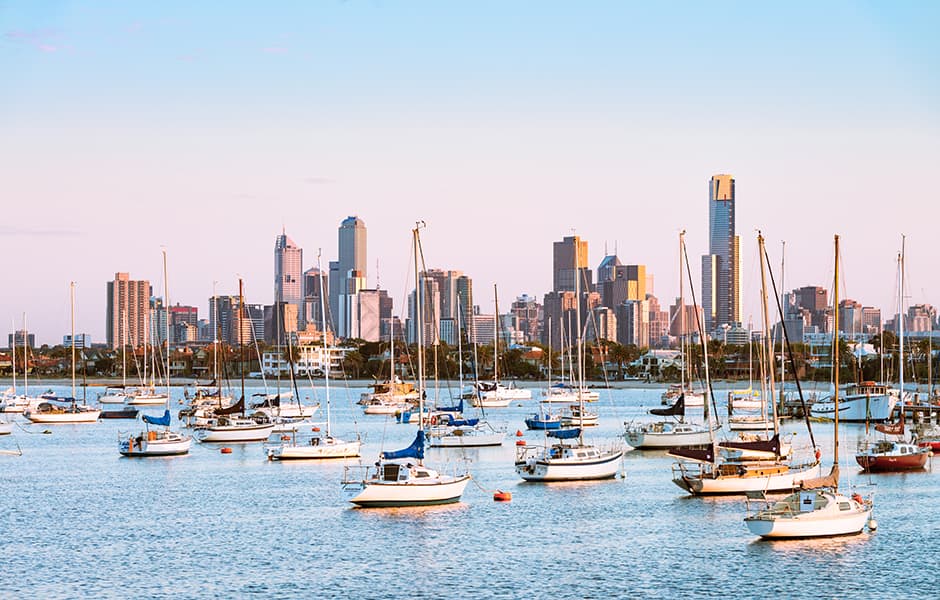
x: 904, y: 450
x: 844, y: 506
x: 390, y: 472
x: 422, y: 474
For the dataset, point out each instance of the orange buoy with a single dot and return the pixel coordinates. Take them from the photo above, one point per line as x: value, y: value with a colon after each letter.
x: 501, y: 496
x: 518, y: 433
x: 315, y: 429
x: 520, y: 442
x: 285, y: 438
x: 226, y: 450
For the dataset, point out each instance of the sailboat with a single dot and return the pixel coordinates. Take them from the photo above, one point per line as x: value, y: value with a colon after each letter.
x: 401, y: 478
x: 889, y: 455
x: 673, y: 433
x: 495, y: 394
x: 225, y: 426
x: 702, y: 472
x: 393, y: 395
x: 114, y: 394
x: 147, y: 394
x: 319, y: 447
x: 817, y: 509
x: 14, y: 402
x: 569, y: 457
x: 158, y: 442
x: 46, y: 412
x: 450, y: 429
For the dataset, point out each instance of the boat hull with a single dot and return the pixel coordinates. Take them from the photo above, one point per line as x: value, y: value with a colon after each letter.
x: 320, y: 451
x: 469, y: 440
x: 236, y: 433
x: 6, y: 428
x: 888, y: 463
x: 855, y: 409
x: 548, y: 470
x: 801, y: 528
x: 163, y: 445
x: 381, y: 494
x: 648, y: 440
x: 55, y: 418
x: 755, y: 481
x: 147, y: 400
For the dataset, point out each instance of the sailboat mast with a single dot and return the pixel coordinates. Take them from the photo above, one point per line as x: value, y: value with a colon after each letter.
x: 783, y: 358
x: 25, y: 356
x: 577, y: 318
x: 835, y: 353
x: 72, y: 321
x: 419, y: 317
x: 768, y: 340
x: 13, y: 322
x: 166, y: 300
x: 326, y: 371
x: 241, y: 344
x: 495, y: 337
x: 682, y: 316
x: 459, y: 349
x: 901, y: 323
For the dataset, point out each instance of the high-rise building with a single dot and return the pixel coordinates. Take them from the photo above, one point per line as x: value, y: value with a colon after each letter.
x: 625, y: 282
x: 21, y: 338
x: 721, y: 267
x: 313, y: 307
x: 528, y: 314
x: 351, y: 265
x: 570, y: 260
x: 128, y: 305
x: 288, y: 264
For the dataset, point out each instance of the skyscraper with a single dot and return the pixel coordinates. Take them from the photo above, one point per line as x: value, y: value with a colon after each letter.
x: 570, y: 258
x: 128, y: 305
x: 721, y: 267
x: 348, y: 273
x: 288, y: 261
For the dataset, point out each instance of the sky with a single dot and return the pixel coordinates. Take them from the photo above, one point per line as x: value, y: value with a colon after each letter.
x: 207, y: 127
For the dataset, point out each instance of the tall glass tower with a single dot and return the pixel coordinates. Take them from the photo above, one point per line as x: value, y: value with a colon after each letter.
x: 721, y: 267
x: 348, y: 273
x: 288, y: 265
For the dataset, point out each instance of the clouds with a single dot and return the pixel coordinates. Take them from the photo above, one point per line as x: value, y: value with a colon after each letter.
x: 44, y: 40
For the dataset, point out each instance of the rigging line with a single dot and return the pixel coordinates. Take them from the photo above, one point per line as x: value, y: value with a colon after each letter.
x: 699, y: 327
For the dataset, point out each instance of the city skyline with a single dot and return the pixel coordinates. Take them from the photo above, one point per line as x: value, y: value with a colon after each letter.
x: 605, y: 119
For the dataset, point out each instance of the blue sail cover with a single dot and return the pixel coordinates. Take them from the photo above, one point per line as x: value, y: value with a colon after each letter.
x: 565, y: 434
x: 453, y: 409
x: 415, y: 450
x: 164, y: 420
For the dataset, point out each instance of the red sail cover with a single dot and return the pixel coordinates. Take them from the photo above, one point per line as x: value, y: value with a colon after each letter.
x: 894, y: 428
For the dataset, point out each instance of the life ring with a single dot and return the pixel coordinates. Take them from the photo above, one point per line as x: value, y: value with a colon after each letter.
x: 434, y: 420
x: 818, y: 454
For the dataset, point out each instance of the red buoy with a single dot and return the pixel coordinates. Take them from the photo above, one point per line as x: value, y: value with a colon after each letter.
x: 315, y: 429
x: 520, y: 442
x: 226, y: 450
x: 518, y: 433
x: 501, y: 496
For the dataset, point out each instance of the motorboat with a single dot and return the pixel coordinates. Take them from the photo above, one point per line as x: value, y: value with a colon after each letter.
x: 867, y: 400
x: 568, y: 458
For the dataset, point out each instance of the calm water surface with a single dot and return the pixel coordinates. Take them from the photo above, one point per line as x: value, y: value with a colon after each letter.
x: 79, y: 520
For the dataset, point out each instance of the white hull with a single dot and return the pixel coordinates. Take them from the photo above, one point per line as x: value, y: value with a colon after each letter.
x: 324, y: 448
x: 166, y: 443
x: 750, y: 424
x: 84, y: 416
x: 113, y: 398
x: 289, y: 411
x: 147, y: 400
x: 754, y: 482
x: 292, y: 426
x: 386, y: 409
x: 602, y: 466
x: 6, y: 428
x: 585, y: 421
x: 236, y: 433
x: 856, y: 408
x: 638, y: 438
x: 383, y: 494
x: 467, y: 439
x: 555, y: 396
x: 840, y: 516
x: 490, y: 402
x: 19, y: 404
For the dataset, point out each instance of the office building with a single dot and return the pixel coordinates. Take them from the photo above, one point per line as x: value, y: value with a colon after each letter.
x: 721, y: 267
x: 347, y: 273
x: 288, y: 264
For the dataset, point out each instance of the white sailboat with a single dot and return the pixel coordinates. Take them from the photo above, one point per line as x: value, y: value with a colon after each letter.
x: 14, y: 402
x: 496, y: 394
x: 147, y: 394
x: 319, y: 447
x: 401, y: 478
x: 47, y: 412
x: 673, y: 433
x: 569, y: 457
x: 158, y: 442
x: 114, y: 394
x: 818, y: 509
x: 704, y: 472
x: 227, y: 425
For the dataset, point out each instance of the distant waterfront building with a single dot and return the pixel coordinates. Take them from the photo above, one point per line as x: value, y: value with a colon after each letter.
x: 658, y: 323
x: 569, y: 270
x: 625, y: 282
x: 604, y: 325
x: 721, y: 267
x: 921, y: 318
x: 570, y: 261
x: 82, y: 341
x: 850, y: 316
x: 529, y: 317
x: 280, y: 320
x: 288, y: 264
x: 482, y: 329
x: 633, y: 323
x: 871, y: 320
x: 347, y: 273
x: 128, y: 303
x: 158, y: 317
x: 19, y: 338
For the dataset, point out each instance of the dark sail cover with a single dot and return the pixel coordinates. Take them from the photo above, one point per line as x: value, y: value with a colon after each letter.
x: 164, y: 420
x: 452, y: 409
x: 706, y: 455
x: 771, y: 445
x: 415, y: 450
x: 565, y: 434
x: 676, y: 410
x: 231, y: 410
